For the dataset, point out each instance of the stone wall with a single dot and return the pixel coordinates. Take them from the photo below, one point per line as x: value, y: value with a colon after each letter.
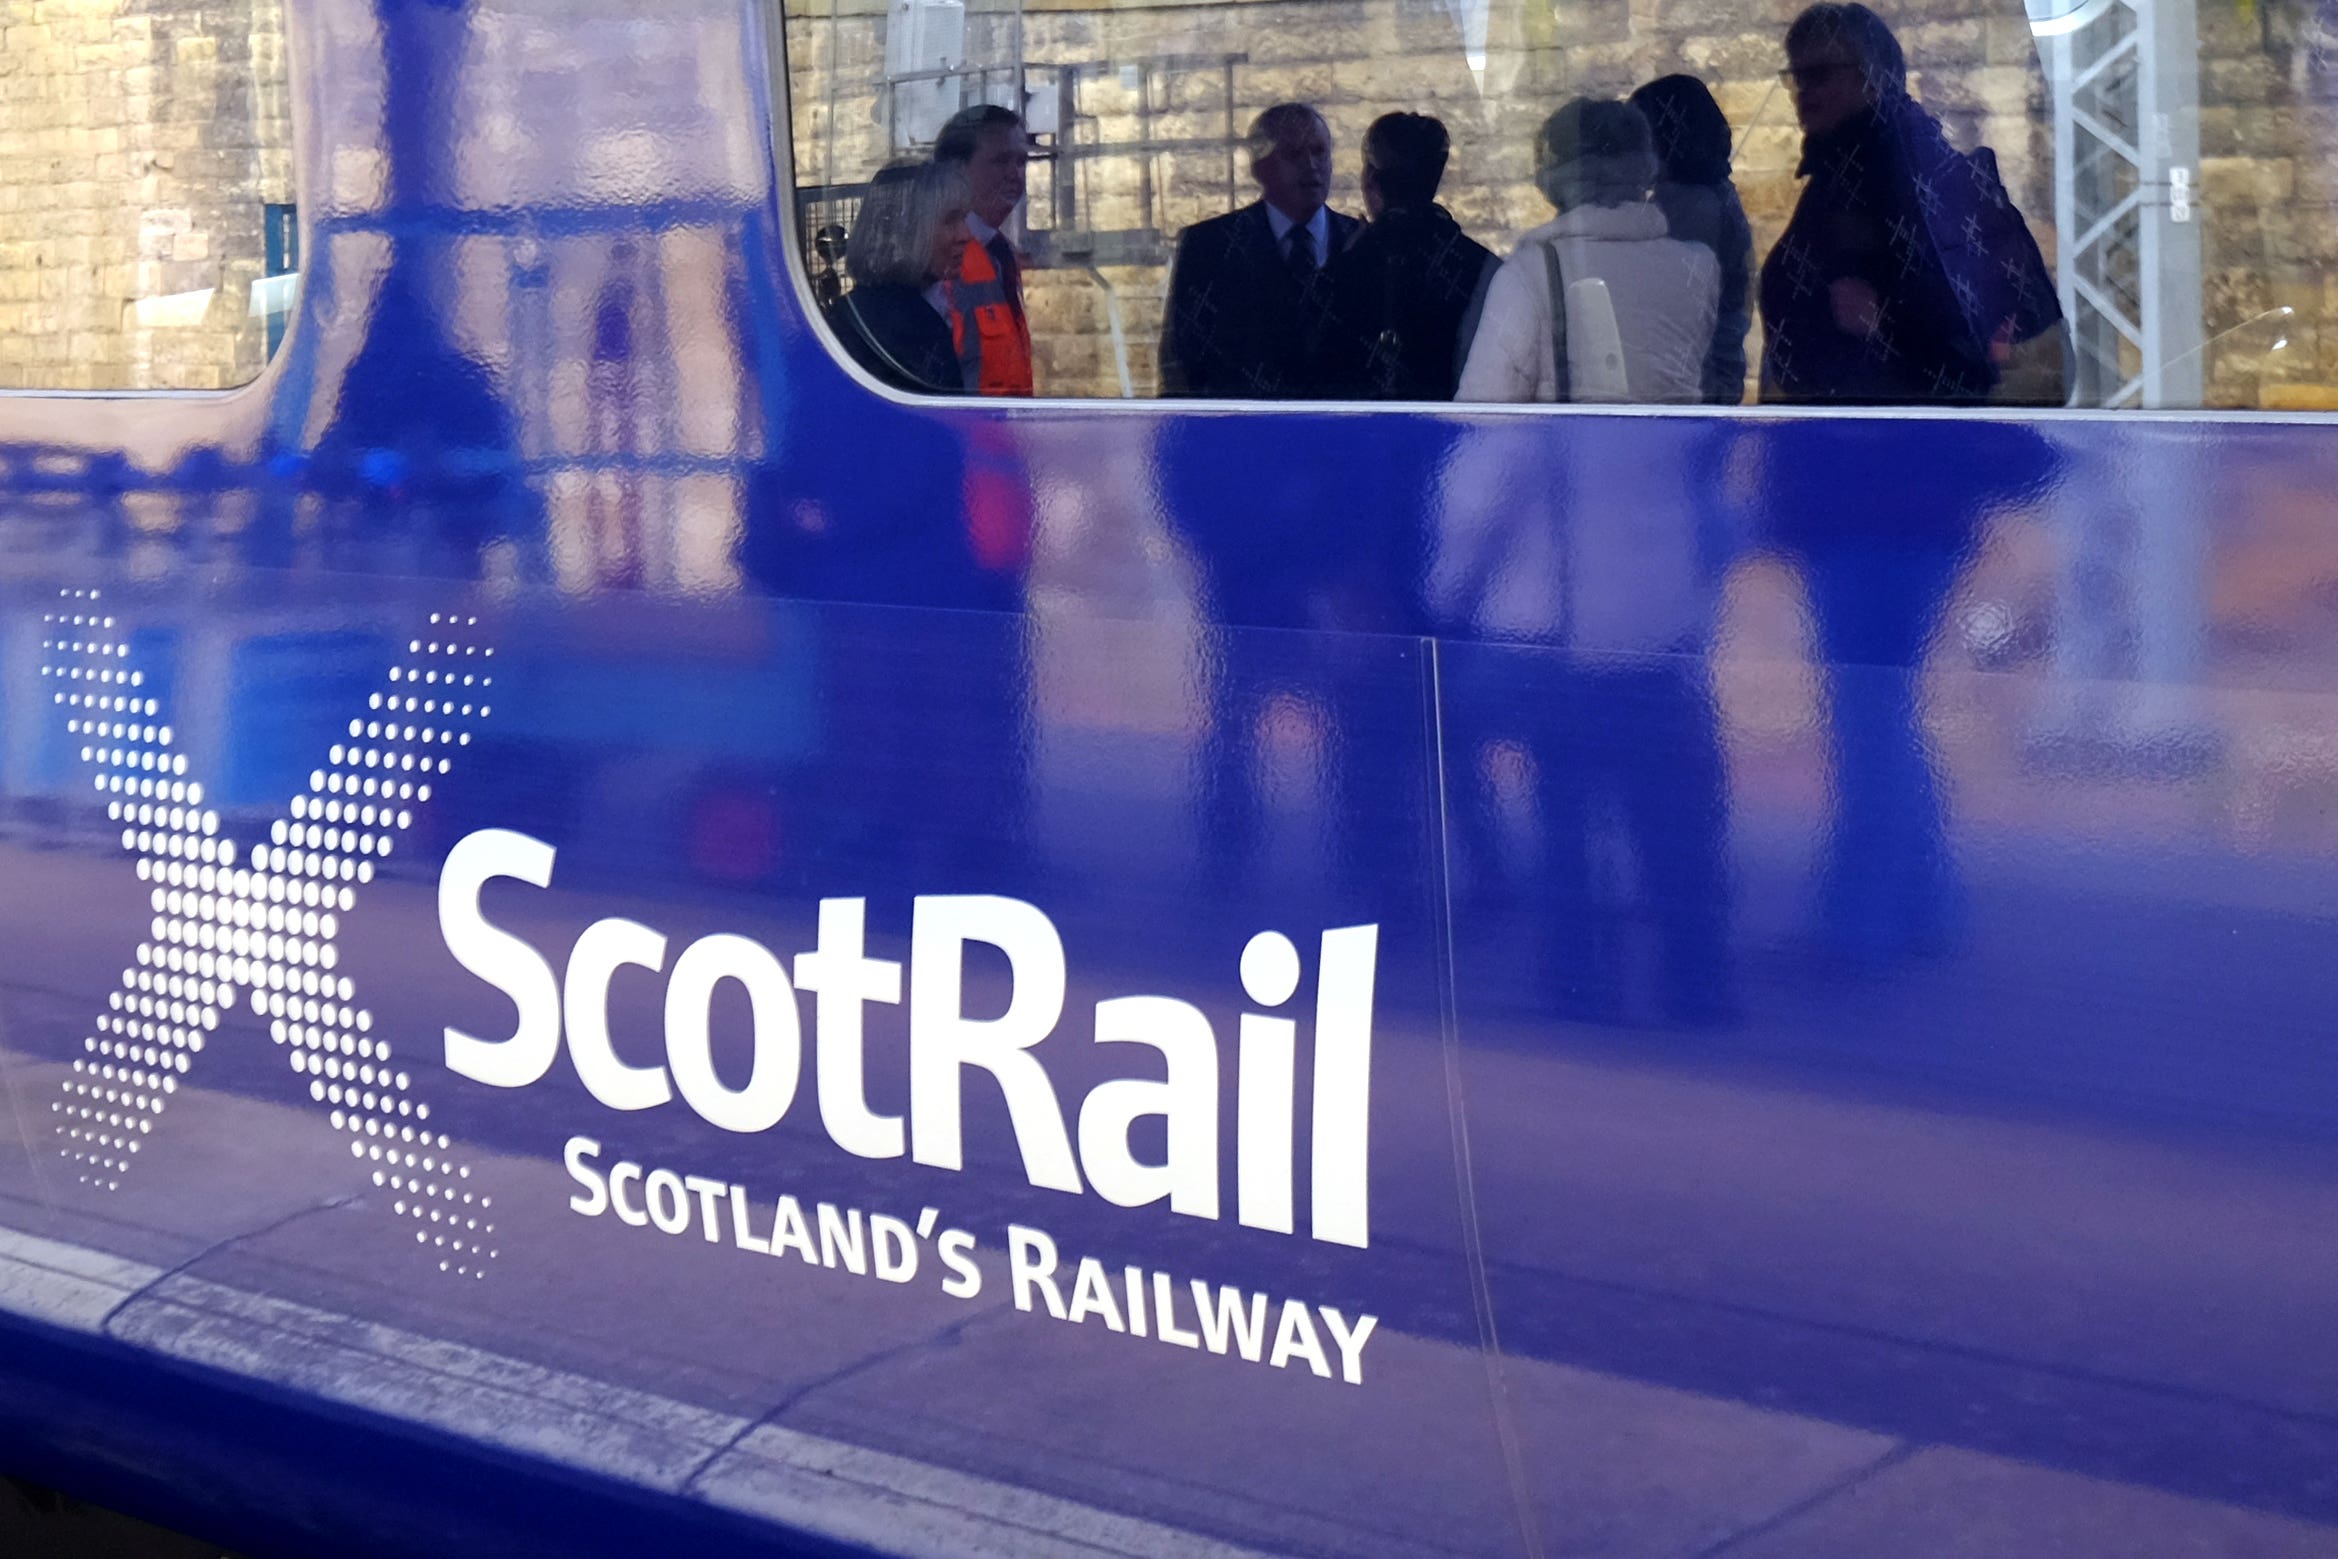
x: 139, y: 140
x: 2269, y: 192
x: 2269, y: 187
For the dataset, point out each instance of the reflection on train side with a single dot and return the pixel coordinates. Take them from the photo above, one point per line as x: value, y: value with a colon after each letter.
x: 1774, y: 853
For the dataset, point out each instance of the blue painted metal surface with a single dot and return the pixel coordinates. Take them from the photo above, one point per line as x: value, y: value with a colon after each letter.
x: 1847, y: 1069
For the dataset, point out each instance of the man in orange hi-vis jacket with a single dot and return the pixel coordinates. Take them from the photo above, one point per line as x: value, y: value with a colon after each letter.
x: 986, y: 301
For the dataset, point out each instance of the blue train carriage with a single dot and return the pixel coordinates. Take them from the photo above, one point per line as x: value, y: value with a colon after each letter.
x: 694, y: 882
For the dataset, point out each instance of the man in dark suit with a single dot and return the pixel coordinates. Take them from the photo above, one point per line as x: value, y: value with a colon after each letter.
x: 1285, y: 543
x: 1246, y: 295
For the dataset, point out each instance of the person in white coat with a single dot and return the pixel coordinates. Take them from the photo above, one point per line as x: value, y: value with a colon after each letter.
x: 1640, y: 304
x: 1598, y: 577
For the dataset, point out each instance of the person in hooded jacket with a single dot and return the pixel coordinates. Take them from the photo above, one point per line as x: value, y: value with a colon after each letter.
x: 1699, y: 201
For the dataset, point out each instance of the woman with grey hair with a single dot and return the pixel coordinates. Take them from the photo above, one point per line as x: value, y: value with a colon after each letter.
x: 902, y: 254
x: 1640, y: 304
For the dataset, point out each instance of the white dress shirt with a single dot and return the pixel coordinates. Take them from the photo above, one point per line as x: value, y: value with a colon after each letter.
x: 1318, y: 228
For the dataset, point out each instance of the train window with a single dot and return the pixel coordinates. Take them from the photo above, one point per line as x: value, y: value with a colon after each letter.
x: 145, y: 193
x: 2124, y: 203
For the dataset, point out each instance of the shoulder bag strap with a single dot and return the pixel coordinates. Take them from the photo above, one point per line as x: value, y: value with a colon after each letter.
x: 1558, y: 280
x: 1561, y: 368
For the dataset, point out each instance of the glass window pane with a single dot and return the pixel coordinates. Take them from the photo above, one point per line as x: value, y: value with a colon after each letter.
x: 2096, y: 202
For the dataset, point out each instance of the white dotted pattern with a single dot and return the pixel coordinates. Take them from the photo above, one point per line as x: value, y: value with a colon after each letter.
x: 264, y: 928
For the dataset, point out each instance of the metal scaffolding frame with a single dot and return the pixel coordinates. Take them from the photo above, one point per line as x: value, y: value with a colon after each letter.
x: 2131, y: 620
x: 2124, y: 79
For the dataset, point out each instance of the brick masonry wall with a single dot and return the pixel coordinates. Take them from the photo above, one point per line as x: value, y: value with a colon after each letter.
x: 138, y: 142
x: 2269, y: 193
x: 2268, y: 181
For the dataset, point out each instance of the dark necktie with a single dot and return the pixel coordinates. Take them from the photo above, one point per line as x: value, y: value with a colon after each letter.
x: 1002, y: 259
x: 1302, y: 257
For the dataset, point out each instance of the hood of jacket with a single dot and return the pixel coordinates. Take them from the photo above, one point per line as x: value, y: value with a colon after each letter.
x: 1638, y: 221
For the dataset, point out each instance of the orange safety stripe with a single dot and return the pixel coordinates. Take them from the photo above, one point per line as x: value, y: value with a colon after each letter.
x: 996, y: 354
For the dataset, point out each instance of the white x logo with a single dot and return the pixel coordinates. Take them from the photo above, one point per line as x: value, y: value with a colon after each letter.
x: 225, y: 928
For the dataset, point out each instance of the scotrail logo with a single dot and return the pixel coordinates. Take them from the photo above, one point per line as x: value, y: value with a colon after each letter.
x: 259, y: 927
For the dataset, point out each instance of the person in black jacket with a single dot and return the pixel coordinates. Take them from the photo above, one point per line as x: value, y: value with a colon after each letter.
x: 1247, y: 299
x: 1405, y: 295
x: 901, y: 256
